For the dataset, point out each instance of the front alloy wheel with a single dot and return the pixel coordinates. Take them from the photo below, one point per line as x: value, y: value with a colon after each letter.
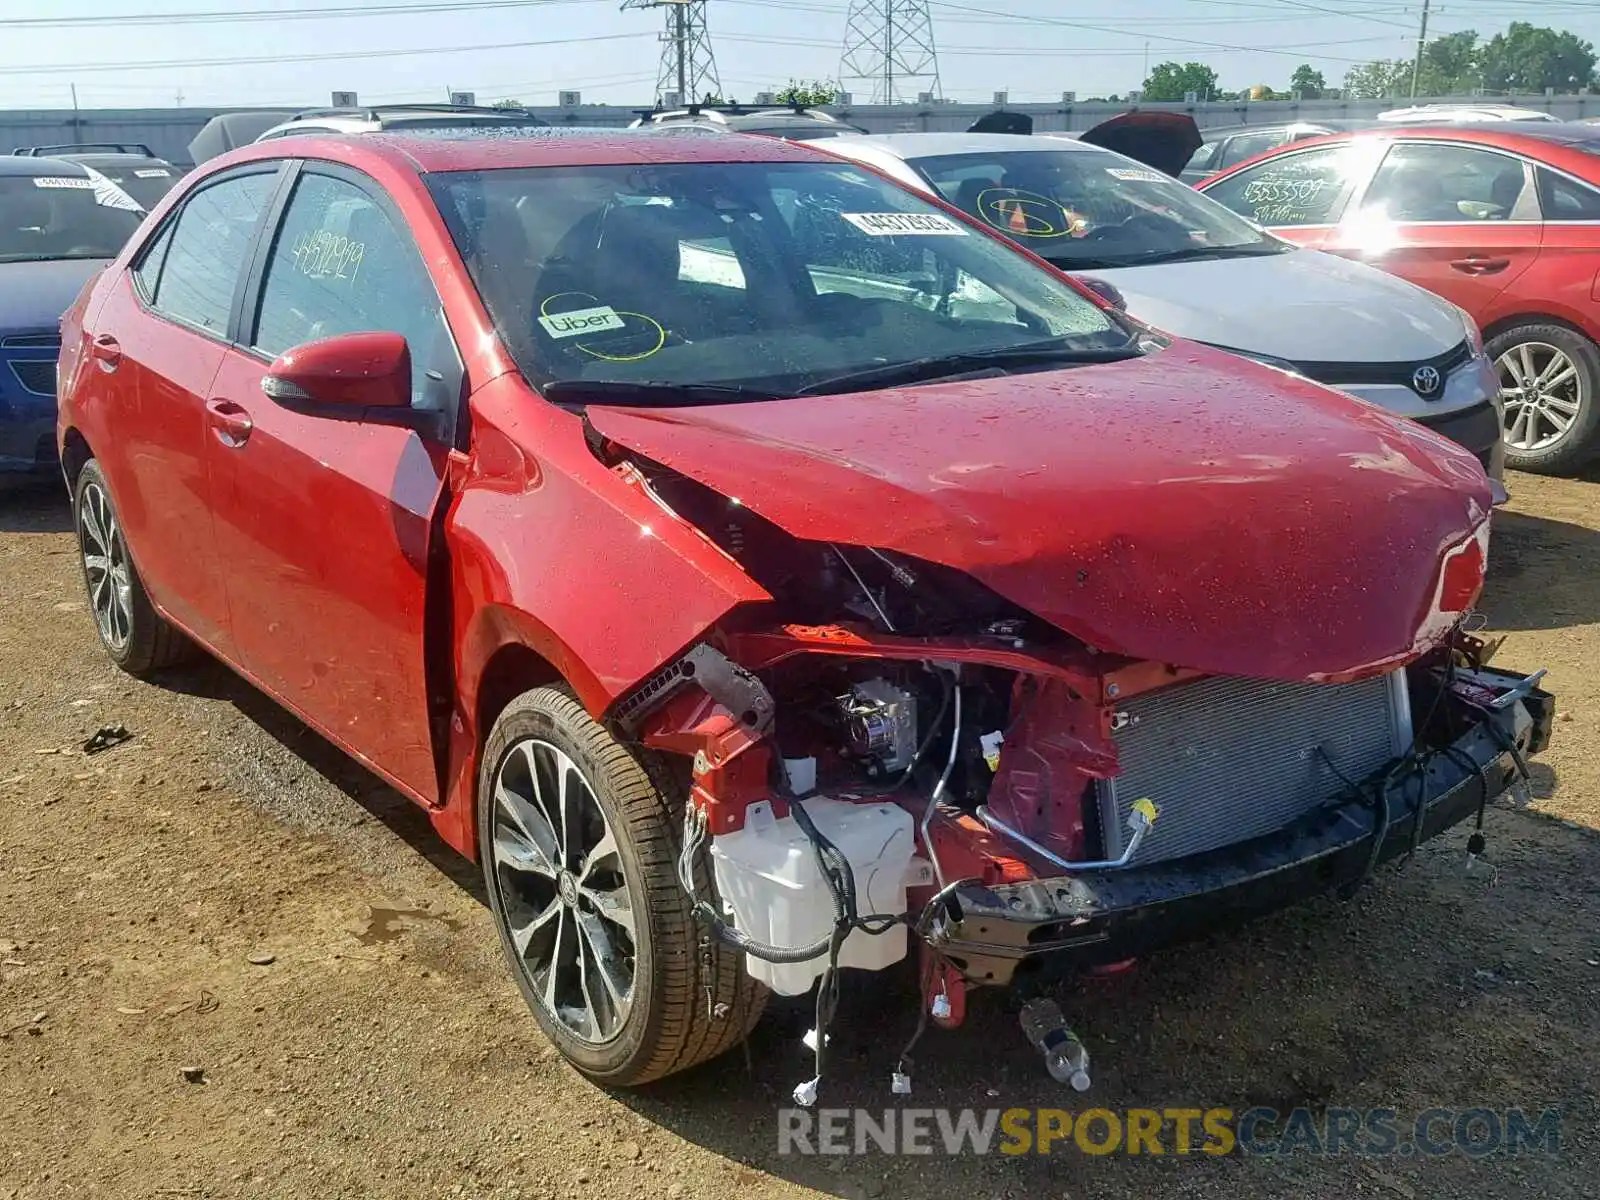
x: 579, y: 837
x: 566, y: 901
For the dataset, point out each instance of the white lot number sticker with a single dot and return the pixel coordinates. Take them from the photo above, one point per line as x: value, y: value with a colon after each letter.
x: 901, y: 224
x: 1140, y: 174
x: 582, y: 320
x: 152, y: 173
x: 62, y: 181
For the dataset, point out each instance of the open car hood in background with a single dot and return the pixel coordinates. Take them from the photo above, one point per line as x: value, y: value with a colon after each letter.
x: 229, y: 131
x: 1188, y: 507
x: 1163, y: 140
x: 1002, y: 121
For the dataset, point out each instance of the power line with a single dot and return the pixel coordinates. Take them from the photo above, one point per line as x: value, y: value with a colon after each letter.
x: 1334, y: 12
x: 1292, y: 51
x: 171, y: 64
x: 1025, y: 18
x: 322, y: 13
x: 1025, y: 51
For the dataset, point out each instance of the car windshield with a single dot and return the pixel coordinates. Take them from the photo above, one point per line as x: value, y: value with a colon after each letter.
x: 146, y: 184
x: 1090, y: 208
x: 61, y: 216
x: 750, y: 280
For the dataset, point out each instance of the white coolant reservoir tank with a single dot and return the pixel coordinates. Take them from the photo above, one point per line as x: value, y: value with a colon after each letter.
x: 772, y: 885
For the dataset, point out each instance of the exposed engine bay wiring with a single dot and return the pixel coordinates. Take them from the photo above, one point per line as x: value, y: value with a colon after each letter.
x: 934, y: 796
x: 992, y: 708
x: 865, y: 590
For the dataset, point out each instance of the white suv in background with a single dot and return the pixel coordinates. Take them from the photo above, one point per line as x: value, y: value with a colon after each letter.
x: 379, y: 118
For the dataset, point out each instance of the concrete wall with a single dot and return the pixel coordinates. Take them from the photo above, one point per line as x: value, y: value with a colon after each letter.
x: 167, y: 131
x: 954, y: 117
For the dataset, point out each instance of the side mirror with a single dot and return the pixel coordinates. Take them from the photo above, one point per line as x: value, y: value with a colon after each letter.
x: 1107, y: 291
x: 352, y: 370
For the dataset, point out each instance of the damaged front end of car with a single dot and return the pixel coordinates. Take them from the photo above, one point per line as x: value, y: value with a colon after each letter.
x: 893, y: 757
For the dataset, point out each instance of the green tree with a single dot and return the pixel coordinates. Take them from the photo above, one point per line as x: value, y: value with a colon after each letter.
x: 809, y: 95
x: 1451, y: 65
x: 1308, y: 83
x: 1529, y: 58
x: 506, y: 104
x: 1172, y: 81
x: 1377, y: 80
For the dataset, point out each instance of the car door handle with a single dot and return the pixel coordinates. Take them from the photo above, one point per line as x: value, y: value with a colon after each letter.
x: 1478, y: 264
x: 107, y: 351
x: 230, y: 422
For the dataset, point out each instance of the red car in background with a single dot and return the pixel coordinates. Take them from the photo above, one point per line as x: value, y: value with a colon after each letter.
x: 1504, y: 220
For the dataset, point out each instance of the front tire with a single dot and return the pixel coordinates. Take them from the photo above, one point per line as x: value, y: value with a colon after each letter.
x: 1550, y: 391
x: 578, y: 840
x: 135, y: 636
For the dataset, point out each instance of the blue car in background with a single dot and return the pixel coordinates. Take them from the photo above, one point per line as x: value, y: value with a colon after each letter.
x: 60, y: 223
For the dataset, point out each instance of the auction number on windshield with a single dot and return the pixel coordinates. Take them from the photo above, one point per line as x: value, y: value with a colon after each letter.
x: 1282, y: 201
x: 328, y: 255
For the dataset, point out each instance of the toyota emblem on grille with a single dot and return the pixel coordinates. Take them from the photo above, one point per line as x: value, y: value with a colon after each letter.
x: 1426, y: 380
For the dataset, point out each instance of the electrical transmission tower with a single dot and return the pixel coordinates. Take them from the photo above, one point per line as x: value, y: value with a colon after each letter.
x: 688, y: 67
x: 888, y: 47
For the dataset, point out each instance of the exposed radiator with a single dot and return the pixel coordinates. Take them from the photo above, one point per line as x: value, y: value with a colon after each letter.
x: 1229, y: 759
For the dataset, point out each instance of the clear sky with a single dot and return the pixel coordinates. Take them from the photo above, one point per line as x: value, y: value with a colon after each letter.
x: 119, y: 53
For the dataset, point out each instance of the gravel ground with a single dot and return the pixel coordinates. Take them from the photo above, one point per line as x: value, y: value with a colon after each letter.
x: 227, y: 895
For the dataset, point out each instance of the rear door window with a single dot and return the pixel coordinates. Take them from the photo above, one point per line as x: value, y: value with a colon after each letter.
x: 1440, y: 182
x: 208, y: 249
x: 1308, y: 187
x: 148, y: 272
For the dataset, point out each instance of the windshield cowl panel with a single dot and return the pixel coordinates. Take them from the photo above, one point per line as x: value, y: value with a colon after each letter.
x: 1085, y: 209
x: 766, y: 277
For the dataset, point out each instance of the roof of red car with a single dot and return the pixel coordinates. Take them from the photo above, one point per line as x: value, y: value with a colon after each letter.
x: 1521, y: 134
x: 492, y: 149
x: 1548, y: 140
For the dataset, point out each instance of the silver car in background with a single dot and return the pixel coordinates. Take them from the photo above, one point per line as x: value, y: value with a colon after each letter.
x: 1187, y: 265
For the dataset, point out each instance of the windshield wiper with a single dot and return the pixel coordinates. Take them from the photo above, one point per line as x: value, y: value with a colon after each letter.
x: 1192, y: 253
x: 30, y: 258
x: 652, y: 392
x: 923, y: 370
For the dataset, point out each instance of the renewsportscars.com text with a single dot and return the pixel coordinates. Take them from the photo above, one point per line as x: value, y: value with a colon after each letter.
x: 1373, y: 1132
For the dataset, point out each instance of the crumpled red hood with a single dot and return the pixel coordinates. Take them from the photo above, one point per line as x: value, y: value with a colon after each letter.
x: 1187, y: 507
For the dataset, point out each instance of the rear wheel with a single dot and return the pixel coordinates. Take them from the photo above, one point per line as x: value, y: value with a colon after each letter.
x: 578, y: 839
x: 136, y: 637
x: 1550, y: 390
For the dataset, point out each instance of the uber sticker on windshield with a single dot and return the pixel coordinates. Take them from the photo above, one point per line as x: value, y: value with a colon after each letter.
x: 1140, y: 174
x: 581, y: 320
x: 62, y: 181
x: 898, y: 224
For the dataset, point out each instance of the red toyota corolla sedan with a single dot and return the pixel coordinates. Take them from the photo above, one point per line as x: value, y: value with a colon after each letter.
x: 764, y: 570
x: 1502, y: 219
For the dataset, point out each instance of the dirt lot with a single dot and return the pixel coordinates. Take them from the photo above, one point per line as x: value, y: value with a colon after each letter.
x: 383, y: 1051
